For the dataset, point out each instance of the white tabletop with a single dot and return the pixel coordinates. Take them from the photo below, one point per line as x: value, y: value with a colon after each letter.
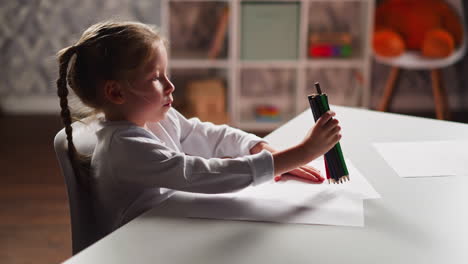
x: 417, y: 220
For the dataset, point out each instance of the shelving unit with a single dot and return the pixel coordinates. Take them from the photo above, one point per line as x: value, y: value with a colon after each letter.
x: 292, y: 100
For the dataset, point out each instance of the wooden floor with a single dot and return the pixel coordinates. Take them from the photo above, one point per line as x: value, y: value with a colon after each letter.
x: 34, y: 217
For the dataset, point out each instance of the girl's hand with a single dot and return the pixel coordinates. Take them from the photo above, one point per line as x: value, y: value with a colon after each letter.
x: 304, y: 172
x: 322, y: 137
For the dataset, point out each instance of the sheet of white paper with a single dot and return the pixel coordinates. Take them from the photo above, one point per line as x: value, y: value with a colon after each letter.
x: 426, y: 158
x: 295, y: 191
x: 326, y: 208
x: 286, y: 201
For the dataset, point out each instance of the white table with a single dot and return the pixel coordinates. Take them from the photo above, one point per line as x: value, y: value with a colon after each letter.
x: 417, y: 220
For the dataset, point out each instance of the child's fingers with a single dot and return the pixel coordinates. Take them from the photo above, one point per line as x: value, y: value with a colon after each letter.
x: 299, y: 172
x: 310, y: 168
x: 325, y: 118
x: 331, y: 124
x: 304, y: 172
x: 335, y: 130
x: 338, y: 137
x: 313, y: 171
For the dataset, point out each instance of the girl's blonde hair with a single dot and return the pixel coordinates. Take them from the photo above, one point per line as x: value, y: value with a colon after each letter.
x: 106, y: 51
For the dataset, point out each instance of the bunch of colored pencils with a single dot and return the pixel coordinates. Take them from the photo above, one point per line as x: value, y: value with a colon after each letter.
x: 335, y: 165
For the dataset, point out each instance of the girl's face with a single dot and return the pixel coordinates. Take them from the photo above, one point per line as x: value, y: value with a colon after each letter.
x: 149, y: 95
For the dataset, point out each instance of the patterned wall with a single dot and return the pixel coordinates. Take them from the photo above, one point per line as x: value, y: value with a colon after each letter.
x: 32, y: 31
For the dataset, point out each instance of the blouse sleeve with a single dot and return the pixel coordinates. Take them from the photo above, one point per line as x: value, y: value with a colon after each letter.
x: 206, y: 139
x: 139, y: 159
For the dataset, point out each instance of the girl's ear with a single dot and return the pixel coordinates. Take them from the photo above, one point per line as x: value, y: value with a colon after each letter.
x: 113, y: 92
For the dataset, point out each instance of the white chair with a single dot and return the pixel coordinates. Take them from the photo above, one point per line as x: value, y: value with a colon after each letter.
x: 414, y: 61
x: 83, y: 223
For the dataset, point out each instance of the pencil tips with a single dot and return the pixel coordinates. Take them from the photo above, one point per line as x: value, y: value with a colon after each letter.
x: 340, y: 180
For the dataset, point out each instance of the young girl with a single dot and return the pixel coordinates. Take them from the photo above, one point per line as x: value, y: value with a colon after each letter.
x: 145, y: 148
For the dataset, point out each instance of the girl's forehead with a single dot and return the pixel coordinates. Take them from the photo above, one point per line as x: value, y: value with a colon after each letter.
x: 158, y: 60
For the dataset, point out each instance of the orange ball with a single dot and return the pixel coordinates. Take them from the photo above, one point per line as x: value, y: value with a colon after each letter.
x: 388, y: 43
x: 417, y: 24
x: 438, y: 43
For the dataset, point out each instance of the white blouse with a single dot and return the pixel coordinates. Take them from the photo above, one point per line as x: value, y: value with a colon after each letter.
x: 135, y: 169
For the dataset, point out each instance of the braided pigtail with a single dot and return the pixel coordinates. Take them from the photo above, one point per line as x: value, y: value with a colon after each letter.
x: 79, y: 162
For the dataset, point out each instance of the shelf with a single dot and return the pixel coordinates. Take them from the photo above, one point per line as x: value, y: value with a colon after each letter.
x: 334, y: 1
x: 257, y: 126
x: 269, y: 64
x: 263, y: 77
x: 332, y: 63
x: 198, y: 63
x: 206, y: 63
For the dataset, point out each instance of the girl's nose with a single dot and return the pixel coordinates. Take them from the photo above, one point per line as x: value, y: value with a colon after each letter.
x: 170, y: 88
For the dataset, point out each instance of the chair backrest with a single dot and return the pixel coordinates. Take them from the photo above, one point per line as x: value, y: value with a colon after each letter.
x: 84, y: 225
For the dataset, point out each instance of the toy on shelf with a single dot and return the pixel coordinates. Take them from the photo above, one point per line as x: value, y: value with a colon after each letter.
x: 431, y: 27
x: 330, y: 44
x: 267, y: 113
